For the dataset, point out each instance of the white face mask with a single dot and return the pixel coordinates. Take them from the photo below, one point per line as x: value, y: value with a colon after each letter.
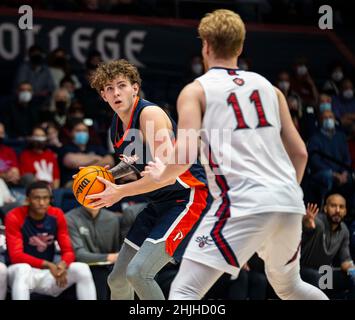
x: 337, y: 75
x: 302, y: 70
x: 25, y: 96
x: 197, y: 68
x: 244, y: 66
x: 348, y: 93
x: 284, y: 85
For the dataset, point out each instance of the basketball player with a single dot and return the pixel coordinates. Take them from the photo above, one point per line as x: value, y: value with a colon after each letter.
x: 160, y: 231
x: 254, y: 177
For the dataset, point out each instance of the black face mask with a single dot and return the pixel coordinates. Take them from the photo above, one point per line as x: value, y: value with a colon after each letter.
x: 61, y: 107
x: 36, y: 59
x: 2, y: 140
x: 37, y: 145
x: 294, y: 113
x: 60, y: 62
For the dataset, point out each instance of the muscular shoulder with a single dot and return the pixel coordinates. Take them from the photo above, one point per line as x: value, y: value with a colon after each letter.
x: 156, y: 115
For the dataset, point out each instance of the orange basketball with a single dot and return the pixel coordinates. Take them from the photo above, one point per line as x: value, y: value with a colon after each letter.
x: 85, y: 183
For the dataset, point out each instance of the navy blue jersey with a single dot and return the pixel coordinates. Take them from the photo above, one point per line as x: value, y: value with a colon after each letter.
x: 32, y: 241
x: 130, y: 142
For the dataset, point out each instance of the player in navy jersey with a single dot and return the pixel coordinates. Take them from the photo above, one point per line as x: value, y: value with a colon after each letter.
x: 161, y: 230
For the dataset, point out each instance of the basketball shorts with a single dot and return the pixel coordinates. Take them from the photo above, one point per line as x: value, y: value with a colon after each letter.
x: 170, y: 219
x: 226, y: 244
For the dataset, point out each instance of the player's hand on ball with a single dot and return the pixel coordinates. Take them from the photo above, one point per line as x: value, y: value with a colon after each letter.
x: 106, y: 198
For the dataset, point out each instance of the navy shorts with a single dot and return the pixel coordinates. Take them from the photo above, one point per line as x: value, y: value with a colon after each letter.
x: 170, y: 220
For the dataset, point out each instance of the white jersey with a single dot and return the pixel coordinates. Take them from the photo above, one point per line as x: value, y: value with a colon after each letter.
x: 248, y: 169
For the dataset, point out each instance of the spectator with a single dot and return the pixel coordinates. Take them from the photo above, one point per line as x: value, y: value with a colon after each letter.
x: 52, y: 131
x: 30, y: 234
x: 61, y: 99
x: 344, y: 105
x: 332, y: 85
x: 325, y: 242
x: 325, y: 103
x: 97, y: 236
x: 329, y: 156
x: 3, y: 281
x: 37, y: 162
x: 9, y: 169
x: 351, y: 143
x: 196, y: 69
x: 303, y: 84
x: 80, y: 152
x: 60, y: 68
x: 36, y: 72
x: 21, y: 111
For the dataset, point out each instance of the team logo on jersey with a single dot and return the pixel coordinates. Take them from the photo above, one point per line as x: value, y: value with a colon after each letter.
x: 203, y: 241
x: 238, y: 81
x: 41, y: 241
x: 178, y: 236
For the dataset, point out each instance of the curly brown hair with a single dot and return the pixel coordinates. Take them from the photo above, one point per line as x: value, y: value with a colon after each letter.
x: 107, y: 71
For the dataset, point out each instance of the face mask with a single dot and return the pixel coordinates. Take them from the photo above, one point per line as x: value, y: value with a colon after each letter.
x: 37, y: 142
x: 60, y: 62
x: 302, y: 70
x: 81, y: 137
x: 337, y: 76
x: 244, y: 66
x: 2, y: 140
x: 36, y: 59
x: 328, y: 124
x: 61, y: 107
x: 24, y: 96
x: 197, y: 68
x: 284, y: 85
x: 325, y: 106
x: 348, y: 94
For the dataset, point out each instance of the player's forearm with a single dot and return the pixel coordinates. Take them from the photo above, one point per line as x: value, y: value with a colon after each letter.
x: 140, y: 186
x: 181, y: 159
x: 299, y: 162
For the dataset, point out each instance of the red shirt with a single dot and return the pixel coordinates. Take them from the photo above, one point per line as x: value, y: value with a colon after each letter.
x: 8, y: 158
x: 28, y: 157
x: 32, y: 241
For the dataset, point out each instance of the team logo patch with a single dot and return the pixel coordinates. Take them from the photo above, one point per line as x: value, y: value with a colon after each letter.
x: 203, y: 241
x: 238, y: 81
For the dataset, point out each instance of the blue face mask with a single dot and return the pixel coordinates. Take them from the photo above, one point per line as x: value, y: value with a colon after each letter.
x: 81, y: 137
x: 328, y: 124
x: 325, y: 106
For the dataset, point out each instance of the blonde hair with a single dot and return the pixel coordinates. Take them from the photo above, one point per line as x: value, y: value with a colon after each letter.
x: 224, y: 31
x: 108, y: 71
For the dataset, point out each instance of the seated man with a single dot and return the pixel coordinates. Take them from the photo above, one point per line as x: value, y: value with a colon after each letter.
x: 97, y: 236
x: 81, y: 153
x: 329, y: 157
x: 325, y: 242
x: 30, y: 234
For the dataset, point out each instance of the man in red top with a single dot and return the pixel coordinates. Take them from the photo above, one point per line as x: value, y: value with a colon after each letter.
x: 30, y: 234
x: 37, y: 162
x: 9, y: 170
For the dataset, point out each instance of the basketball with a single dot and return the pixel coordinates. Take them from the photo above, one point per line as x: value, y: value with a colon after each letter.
x: 85, y: 183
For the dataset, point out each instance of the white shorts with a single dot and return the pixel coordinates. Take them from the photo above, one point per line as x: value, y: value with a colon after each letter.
x: 227, y: 244
x: 41, y: 280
